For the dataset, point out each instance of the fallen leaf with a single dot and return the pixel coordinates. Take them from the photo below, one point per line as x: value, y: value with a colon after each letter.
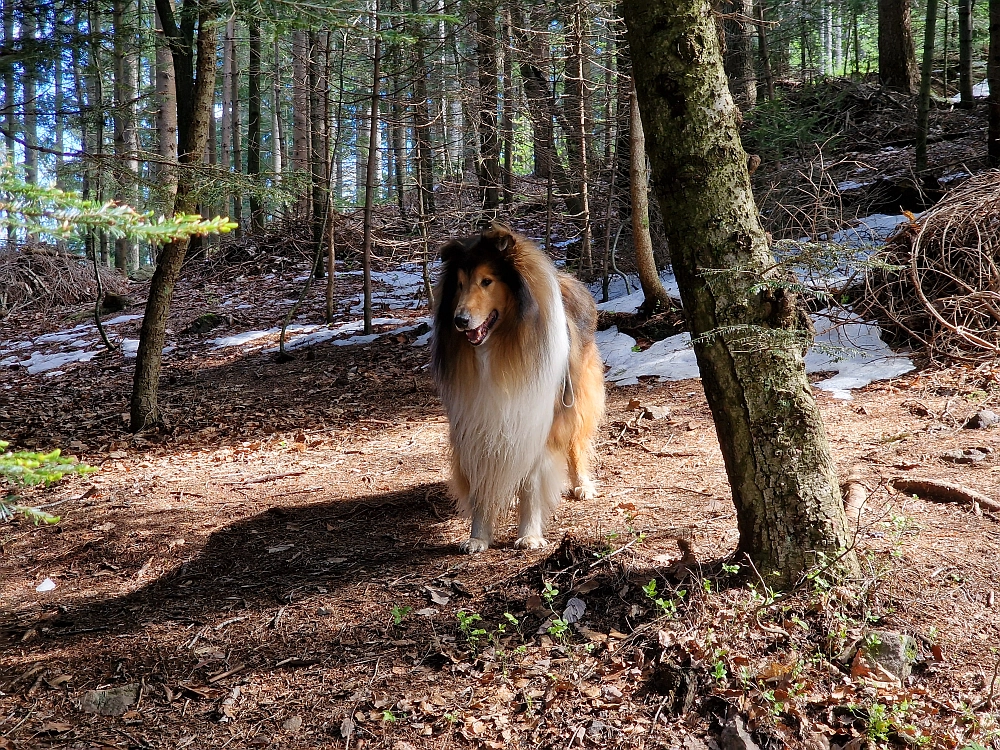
x: 55, y: 727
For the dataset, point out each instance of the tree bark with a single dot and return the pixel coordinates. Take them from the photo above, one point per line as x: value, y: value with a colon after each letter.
x: 739, y: 56
x: 277, y: 123
x: 765, y: 57
x: 656, y: 299
x: 507, y: 125
x: 236, y: 137
x: 301, y: 153
x: 30, y: 107
x: 897, y: 57
x: 965, y: 53
x: 126, y: 139
x: 421, y: 117
x: 993, y: 75
x: 924, y: 100
x: 319, y: 147
x: 253, y: 121
x: 9, y: 93
x: 371, y: 176
x: 166, y: 122
x: 749, y: 343
x: 195, y: 93
x: 489, y: 137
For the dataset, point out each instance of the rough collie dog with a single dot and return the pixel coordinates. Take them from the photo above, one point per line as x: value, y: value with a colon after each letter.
x: 521, y: 380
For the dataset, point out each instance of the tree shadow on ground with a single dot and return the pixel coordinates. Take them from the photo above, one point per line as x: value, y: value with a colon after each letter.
x: 277, y: 558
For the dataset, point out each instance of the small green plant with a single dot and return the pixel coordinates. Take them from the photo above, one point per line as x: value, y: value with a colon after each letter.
x: 388, y: 716
x: 559, y: 628
x: 399, y: 613
x: 29, y: 469
x: 707, y: 585
x: 878, y: 723
x: 730, y: 569
x: 667, y: 607
x: 467, y: 626
x: 549, y: 594
x: 451, y: 718
x: 719, y: 671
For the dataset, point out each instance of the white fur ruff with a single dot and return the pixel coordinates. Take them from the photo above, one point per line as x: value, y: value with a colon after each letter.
x: 499, y: 437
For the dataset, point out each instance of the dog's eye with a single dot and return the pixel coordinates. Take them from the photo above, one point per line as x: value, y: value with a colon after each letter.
x: 487, y: 282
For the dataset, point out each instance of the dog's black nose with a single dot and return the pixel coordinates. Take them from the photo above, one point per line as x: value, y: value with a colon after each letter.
x: 461, y: 322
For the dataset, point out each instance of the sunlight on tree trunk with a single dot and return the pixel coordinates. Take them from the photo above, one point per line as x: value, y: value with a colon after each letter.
x: 749, y: 343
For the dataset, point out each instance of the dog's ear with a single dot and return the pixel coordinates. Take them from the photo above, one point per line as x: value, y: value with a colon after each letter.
x: 451, y: 250
x: 502, y: 238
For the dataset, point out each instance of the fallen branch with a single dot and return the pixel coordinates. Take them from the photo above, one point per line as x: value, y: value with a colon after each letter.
x: 945, y: 492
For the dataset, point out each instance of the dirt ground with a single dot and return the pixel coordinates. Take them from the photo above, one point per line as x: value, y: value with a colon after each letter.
x: 280, y: 567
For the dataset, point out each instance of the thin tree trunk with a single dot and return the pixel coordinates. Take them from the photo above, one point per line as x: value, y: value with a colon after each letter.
x: 126, y: 142
x: 924, y: 101
x: 253, y: 122
x: 739, y: 57
x: 228, y: 51
x: 421, y: 117
x: 965, y: 52
x: 749, y: 343
x: 508, y: 113
x: 993, y: 76
x: 301, y: 142
x: 28, y: 86
x: 236, y: 137
x: 489, y: 137
x: 897, y: 60
x: 765, y: 58
x: 277, y: 123
x: 320, y: 179
x: 9, y: 92
x: 370, y: 177
x: 195, y: 94
x: 577, y: 83
x: 398, y: 136
x: 656, y: 299
x: 166, y: 122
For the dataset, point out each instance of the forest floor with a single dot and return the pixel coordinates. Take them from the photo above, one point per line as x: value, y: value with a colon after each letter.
x: 280, y: 566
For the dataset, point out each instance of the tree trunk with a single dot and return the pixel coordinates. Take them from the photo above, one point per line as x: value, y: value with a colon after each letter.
x: 965, y: 53
x: 765, y: 58
x: 126, y: 140
x: 371, y: 176
x: 228, y: 50
x: 537, y: 96
x: 236, y: 137
x: 489, y: 137
x: 924, y: 100
x: 421, y: 117
x: 581, y: 122
x: 749, y: 343
x: 319, y: 146
x: 195, y: 94
x: 277, y: 123
x: 739, y: 56
x: 166, y: 122
x: 897, y: 58
x: 300, y: 111
x: 507, y: 125
x: 253, y: 122
x: 656, y: 299
x: 9, y: 93
x: 993, y: 75
x: 30, y: 107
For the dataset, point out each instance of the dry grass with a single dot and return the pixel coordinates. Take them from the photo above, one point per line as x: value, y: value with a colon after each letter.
x: 43, y: 277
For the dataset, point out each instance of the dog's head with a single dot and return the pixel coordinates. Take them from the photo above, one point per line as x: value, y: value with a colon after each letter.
x: 482, y: 289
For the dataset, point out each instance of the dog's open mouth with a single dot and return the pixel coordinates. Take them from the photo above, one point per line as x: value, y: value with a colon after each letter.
x: 478, y: 335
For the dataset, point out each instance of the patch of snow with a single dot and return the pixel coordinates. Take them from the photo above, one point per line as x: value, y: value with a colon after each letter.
x: 9, y: 361
x: 15, y: 346
x: 357, y: 340
x: 851, y: 185
x: 622, y: 300
x: 130, y: 347
x: 852, y: 349
x: 122, y: 319
x: 44, y: 362
x: 422, y: 340
x: 951, y: 177
x: 980, y: 91
x: 871, y: 230
x: 60, y: 337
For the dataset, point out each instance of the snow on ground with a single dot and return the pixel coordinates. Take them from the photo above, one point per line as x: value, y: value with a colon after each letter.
x: 980, y: 91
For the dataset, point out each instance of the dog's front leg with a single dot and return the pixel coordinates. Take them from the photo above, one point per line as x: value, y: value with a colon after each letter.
x: 482, y: 528
x: 537, y: 500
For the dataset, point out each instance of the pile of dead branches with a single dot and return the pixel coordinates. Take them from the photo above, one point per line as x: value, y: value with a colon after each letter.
x: 43, y: 276
x: 940, y: 285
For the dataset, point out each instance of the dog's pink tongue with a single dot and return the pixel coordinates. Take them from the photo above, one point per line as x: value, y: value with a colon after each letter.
x: 476, y: 335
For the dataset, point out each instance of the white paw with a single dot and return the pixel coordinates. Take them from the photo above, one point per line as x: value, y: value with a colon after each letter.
x: 586, y: 491
x: 474, y: 546
x: 530, y: 542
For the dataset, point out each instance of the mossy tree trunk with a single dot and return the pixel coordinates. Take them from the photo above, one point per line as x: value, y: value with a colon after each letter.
x: 195, y: 91
x: 750, y: 335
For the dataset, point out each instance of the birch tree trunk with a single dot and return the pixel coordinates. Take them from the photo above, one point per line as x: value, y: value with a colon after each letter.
x: 749, y: 344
